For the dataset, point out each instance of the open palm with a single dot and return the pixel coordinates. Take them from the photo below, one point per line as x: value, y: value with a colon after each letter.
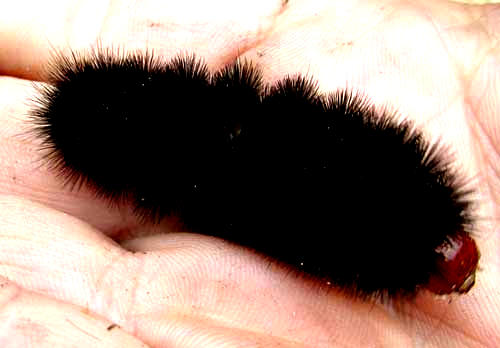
x: 67, y: 282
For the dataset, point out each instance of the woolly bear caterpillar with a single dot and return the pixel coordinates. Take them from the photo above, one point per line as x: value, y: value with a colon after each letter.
x: 321, y: 182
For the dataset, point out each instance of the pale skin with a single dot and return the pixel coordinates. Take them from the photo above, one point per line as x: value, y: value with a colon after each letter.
x: 64, y: 283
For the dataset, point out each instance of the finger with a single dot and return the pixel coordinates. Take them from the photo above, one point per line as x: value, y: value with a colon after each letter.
x: 25, y: 28
x: 217, y: 30
x: 32, y: 320
x: 199, y: 286
x: 29, y: 257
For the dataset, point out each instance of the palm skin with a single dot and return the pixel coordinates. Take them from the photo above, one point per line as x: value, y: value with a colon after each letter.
x: 65, y: 282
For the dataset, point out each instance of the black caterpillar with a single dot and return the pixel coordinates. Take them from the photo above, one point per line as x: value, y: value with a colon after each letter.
x: 321, y: 182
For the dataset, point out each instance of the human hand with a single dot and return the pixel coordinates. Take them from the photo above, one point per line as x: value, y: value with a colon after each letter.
x: 436, y: 63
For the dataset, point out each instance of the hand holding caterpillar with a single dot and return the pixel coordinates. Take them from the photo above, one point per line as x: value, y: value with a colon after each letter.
x: 324, y: 183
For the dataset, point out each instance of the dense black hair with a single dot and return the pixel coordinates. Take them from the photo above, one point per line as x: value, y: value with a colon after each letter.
x: 325, y: 183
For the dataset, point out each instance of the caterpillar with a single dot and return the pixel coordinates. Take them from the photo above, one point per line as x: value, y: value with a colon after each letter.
x: 326, y: 183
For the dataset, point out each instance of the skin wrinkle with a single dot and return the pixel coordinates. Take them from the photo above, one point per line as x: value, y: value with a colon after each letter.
x: 104, y: 294
x: 460, y: 75
x: 440, y: 323
x: 218, y: 332
x: 260, y: 37
x: 479, y: 130
x: 260, y: 333
x: 209, y: 321
x: 129, y: 317
x: 82, y: 330
x: 491, y: 51
x: 216, y: 319
x: 480, y: 133
x: 133, y: 293
x: 297, y: 24
x: 466, y: 82
x: 455, y: 61
x: 14, y: 292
